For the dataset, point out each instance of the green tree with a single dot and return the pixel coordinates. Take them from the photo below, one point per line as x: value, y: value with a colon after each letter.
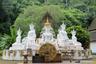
x: 12, y: 8
x: 7, y: 40
x: 10, y: 11
x: 3, y: 23
x: 59, y: 15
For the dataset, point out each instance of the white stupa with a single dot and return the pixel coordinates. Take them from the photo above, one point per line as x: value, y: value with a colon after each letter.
x: 17, y: 45
x: 77, y: 44
x: 64, y: 42
x: 47, y: 33
x: 30, y: 41
x: 61, y: 43
x: 62, y: 37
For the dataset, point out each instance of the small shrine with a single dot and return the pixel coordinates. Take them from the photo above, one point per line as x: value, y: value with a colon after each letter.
x: 46, y: 48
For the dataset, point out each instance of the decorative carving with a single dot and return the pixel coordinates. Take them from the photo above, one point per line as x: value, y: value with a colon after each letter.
x: 49, y: 51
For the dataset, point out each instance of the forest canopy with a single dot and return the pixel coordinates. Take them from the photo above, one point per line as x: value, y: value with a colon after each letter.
x: 11, y: 9
x: 16, y: 14
x: 34, y: 14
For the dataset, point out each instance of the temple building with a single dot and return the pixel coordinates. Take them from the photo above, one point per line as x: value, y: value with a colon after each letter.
x: 47, y: 44
x: 92, y: 29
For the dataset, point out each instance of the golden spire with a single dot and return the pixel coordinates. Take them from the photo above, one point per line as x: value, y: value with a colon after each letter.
x: 47, y: 22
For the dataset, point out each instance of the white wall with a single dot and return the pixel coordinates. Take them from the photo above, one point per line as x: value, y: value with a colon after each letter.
x: 93, y: 47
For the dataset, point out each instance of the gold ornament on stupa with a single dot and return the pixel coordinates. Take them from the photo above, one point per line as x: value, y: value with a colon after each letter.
x: 47, y: 23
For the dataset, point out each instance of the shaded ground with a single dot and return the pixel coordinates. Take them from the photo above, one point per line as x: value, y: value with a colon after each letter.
x: 64, y: 62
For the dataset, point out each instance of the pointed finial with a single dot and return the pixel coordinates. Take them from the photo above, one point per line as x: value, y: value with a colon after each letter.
x: 73, y: 32
x: 47, y: 22
x: 19, y: 32
x: 63, y: 26
x: 31, y: 26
